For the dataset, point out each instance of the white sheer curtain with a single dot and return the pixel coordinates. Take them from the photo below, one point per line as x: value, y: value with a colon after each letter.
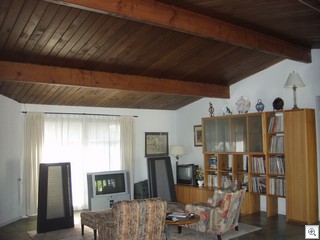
x: 126, y: 146
x: 34, y: 132
x: 90, y: 143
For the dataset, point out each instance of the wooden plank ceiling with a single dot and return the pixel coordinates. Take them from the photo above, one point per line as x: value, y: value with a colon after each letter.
x: 145, y: 54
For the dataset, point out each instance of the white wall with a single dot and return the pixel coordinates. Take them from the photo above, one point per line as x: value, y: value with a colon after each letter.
x: 11, y: 127
x: 265, y: 85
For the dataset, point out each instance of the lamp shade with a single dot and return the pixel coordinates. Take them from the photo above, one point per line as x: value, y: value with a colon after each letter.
x: 294, y: 80
x: 177, y: 150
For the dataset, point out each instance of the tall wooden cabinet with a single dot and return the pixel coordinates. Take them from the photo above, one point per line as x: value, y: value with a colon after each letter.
x: 269, y: 153
x: 301, y: 165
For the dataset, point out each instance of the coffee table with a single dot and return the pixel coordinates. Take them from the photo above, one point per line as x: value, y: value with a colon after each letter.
x: 181, y: 222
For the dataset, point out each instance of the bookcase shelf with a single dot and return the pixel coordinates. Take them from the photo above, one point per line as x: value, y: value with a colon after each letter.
x: 264, y: 152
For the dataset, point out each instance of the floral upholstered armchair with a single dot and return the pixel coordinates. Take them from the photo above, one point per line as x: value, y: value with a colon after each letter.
x: 220, y: 214
x: 142, y: 219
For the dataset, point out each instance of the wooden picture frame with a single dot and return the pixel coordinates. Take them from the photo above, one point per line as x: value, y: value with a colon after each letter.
x: 197, y: 129
x: 156, y: 144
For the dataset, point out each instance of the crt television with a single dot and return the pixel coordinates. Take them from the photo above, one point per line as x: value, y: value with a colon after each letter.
x: 108, y: 183
x: 186, y: 174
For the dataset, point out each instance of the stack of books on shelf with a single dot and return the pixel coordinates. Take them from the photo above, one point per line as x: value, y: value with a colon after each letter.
x: 276, y: 124
x: 213, y: 162
x: 259, y: 184
x: 277, y: 144
x: 212, y: 180
x: 277, y: 165
x: 258, y: 165
x: 277, y: 186
x: 226, y: 181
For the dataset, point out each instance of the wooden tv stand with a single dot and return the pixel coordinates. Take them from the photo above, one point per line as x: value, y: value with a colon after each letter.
x: 192, y: 194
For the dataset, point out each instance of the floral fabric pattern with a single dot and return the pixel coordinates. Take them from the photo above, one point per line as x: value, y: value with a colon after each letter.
x: 217, y: 220
x: 217, y: 198
x: 91, y: 219
x: 134, y: 220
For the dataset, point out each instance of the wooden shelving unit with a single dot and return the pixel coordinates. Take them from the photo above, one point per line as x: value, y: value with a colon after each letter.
x: 274, y: 152
x: 301, y: 166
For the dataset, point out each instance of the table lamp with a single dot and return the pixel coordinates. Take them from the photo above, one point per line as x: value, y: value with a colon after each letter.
x: 177, y: 151
x: 294, y: 81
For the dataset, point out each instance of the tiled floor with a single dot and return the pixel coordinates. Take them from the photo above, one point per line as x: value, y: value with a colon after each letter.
x: 272, y: 228
x: 18, y: 230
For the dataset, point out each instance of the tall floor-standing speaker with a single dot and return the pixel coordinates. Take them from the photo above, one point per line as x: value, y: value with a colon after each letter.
x: 160, y: 178
x: 55, y: 209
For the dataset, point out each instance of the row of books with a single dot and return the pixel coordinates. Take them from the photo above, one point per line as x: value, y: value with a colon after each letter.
x: 258, y: 165
x: 212, y: 180
x: 276, y: 124
x: 226, y: 181
x: 277, y: 144
x: 277, y: 165
x: 277, y: 186
x: 259, y: 184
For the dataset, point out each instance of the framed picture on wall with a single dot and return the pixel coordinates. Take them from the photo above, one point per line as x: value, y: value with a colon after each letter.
x: 197, y: 129
x: 156, y: 144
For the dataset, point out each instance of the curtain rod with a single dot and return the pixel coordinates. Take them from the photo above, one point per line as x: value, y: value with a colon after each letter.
x: 88, y: 114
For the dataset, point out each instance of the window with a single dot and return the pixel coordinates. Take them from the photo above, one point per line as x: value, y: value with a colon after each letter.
x: 89, y: 143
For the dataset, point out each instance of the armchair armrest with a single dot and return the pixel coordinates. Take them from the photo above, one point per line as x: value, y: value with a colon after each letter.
x: 106, y: 215
x: 105, y: 224
x: 208, y: 216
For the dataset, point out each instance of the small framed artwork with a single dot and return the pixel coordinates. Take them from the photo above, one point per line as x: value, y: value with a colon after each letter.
x: 156, y: 144
x: 197, y: 135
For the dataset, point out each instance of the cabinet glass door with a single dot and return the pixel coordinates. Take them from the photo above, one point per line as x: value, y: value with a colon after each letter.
x: 239, y: 134
x: 255, y: 133
x: 217, y: 135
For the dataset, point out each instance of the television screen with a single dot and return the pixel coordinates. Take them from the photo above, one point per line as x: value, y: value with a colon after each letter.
x: 110, y: 183
x: 185, y: 172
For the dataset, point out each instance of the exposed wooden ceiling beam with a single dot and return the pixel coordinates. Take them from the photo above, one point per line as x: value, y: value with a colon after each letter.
x: 10, y: 71
x: 178, y: 19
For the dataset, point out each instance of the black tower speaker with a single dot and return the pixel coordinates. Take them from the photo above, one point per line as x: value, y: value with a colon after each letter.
x: 55, y: 209
x: 160, y: 178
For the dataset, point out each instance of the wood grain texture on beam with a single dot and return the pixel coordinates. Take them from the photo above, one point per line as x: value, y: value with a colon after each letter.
x: 174, y: 18
x: 10, y: 71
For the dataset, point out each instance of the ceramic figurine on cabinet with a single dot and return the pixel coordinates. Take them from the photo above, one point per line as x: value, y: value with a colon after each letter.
x: 211, y: 110
x: 227, y: 110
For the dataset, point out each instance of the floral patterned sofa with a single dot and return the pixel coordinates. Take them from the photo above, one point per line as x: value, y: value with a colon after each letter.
x: 142, y: 219
x: 220, y: 214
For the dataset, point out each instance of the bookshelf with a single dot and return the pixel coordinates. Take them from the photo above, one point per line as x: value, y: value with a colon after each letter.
x: 274, y: 149
x: 259, y: 151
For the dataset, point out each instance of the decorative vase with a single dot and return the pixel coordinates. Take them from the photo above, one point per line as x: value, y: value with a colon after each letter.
x: 243, y: 104
x: 200, y: 183
x: 278, y: 104
x: 259, y: 106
